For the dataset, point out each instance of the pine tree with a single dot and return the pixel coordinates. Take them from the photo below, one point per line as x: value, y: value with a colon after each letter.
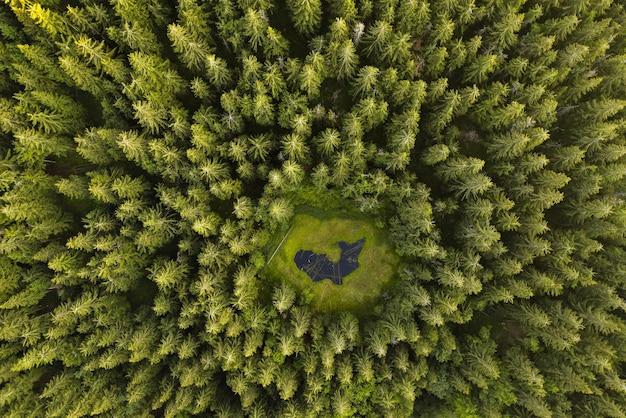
x: 479, y: 69
x: 328, y: 141
x: 193, y: 51
x: 366, y: 80
x: 306, y: 15
x: 154, y: 155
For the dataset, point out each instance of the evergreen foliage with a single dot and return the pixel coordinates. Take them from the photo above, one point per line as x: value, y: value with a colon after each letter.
x: 152, y: 151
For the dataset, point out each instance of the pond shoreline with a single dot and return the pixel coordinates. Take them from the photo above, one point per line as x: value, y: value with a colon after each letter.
x: 319, y: 267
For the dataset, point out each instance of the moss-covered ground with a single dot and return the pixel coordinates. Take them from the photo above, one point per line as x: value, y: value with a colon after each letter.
x: 319, y: 233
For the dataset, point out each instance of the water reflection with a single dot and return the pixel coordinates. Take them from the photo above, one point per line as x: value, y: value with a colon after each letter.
x: 319, y: 267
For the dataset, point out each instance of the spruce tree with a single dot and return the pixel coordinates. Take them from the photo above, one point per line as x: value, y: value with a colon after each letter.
x: 151, y: 153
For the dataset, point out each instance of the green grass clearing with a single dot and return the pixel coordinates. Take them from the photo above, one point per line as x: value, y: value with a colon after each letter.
x: 361, y: 288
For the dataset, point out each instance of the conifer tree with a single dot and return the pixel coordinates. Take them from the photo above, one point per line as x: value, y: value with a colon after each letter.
x: 154, y: 154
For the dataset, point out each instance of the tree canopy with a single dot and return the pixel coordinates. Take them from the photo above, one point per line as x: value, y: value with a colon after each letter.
x: 154, y: 153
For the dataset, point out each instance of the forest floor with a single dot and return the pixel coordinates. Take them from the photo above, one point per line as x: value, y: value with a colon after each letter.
x: 320, y: 234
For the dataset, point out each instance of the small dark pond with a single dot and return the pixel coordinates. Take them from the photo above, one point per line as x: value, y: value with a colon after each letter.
x: 319, y: 267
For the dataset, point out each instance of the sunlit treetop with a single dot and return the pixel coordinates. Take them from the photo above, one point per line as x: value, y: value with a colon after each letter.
x: 164, y: 162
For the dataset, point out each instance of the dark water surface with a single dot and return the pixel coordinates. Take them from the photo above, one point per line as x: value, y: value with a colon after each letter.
x: 319, y: 267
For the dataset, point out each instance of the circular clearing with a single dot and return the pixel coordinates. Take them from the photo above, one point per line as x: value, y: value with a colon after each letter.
x: 321, y: 235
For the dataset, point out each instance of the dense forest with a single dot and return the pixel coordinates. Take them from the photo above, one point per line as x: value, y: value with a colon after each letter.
x: 154, y: 153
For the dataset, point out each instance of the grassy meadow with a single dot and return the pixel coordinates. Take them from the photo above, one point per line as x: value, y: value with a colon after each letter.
x: 320, y: 234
